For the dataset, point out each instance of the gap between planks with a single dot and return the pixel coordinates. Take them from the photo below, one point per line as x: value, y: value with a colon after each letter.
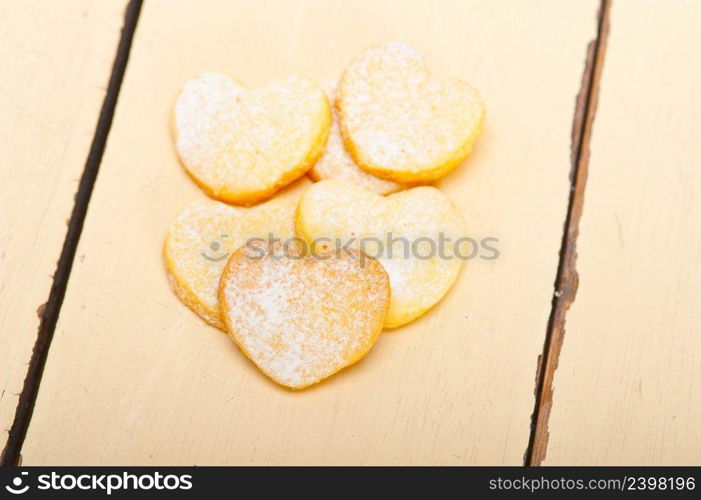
x: 49, y: 311
x: 567, y: 279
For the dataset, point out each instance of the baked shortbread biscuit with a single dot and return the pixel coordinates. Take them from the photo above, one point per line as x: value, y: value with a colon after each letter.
x: 337, y: 163
x: 412, y: 233
x: 242, y: 145
x: 204, y: 236
x: 300, y: 320
x: 399, y: 124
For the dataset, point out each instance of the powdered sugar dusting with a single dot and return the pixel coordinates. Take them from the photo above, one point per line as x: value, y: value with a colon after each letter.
x: 398, y: 119
x: 205, y: 234
x: 301, y: 320
x: 239, y: 143
x: 342, y: 211
x: 337, y: 163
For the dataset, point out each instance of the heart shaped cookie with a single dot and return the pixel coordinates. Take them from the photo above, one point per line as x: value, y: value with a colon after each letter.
x: 399, y: 124
x: 301, y: 319
x: 242, y: 145
x: 203, y: 237
x: 337, y: 163
x: 417, y: 235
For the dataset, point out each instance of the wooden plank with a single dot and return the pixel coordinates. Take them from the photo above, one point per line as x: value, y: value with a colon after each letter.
x: 135, y: 377
x: 627, y: 387
x: 55, y: 62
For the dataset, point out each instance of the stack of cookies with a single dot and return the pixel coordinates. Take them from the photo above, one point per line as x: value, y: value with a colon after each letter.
x: 305, y: 283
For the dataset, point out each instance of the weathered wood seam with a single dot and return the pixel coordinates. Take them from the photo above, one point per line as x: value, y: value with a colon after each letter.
x: 567, y: 279
x: 49, y: 311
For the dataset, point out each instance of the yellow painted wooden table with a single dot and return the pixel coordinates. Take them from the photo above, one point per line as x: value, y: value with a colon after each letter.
x: 579, y: 344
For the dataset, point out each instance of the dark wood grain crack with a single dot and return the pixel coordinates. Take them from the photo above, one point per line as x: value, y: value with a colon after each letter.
x: 48, y: 312
x: 567, y: 279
